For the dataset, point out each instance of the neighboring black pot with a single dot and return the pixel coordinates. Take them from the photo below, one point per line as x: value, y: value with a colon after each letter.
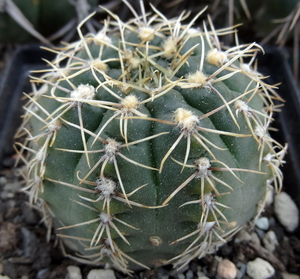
x: 272, y: 63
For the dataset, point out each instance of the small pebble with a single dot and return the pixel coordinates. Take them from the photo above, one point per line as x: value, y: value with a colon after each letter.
x: 201, y: 275
x: 286, y: 275
x: 239, y: 274
x: 189, y: 275
x: 29, y: 215
x: 260, y: 269
x: 255, y: 238
x: 101, y: 274
x: 3, y: 180
x: 42, y: 273
x: 270, y: 241
x: 13, y: 187
x: 286, y: 211
x: 226, y: 269
x: 241, y: 270
x: 272, y: 221
x: 162, y: 273
x: 6, y: 195
x: 73, y: 272
x: 260, y: 233
x: 243, y: 235
x: 262, y: 223
x: 29, y: 243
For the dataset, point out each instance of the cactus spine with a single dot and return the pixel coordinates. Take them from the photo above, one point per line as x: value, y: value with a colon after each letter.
x: 149, y: 142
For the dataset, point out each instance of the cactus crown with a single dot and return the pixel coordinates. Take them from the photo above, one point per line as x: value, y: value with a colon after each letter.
x: 149, y: 141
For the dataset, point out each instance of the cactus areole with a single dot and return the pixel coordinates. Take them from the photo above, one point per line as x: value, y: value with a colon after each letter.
x: 148, y: 142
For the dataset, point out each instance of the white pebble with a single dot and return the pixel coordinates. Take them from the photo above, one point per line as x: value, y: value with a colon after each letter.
x: 101, y: 274
x: 286, y: 211
x: 262, y: 223
x: 286, y: 275
x: 270, y: 241
x: 260, y: 269
x: 73, y: 272
x: 226, y: 269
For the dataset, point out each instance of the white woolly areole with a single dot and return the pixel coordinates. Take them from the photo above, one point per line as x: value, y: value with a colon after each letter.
x: 197, y: 77
x: 209, y: 199
x: 185, y: 120
x: 246, y: 68
x: 241, y: 106
x: 169, y: 47
x: 83, y: 91
x: 216, y: 57
x: 107, y: 187
x: 203, y: 165
x: 146, y: 33
x: 260, y: 132
x: 102, y: 38
x: 54, y: 125
x: 99, y: 64
x: 106, y: 250
x: 111, y: 148
x: 104, y: 218
x: 133, y: 62
x: 130, y: 102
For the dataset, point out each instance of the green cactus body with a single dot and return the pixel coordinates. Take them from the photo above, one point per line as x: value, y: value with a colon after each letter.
x: 149, y: 144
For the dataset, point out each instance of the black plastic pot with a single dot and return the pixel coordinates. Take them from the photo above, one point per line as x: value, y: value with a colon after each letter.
x: 14, y: 82
x: 273, y: 64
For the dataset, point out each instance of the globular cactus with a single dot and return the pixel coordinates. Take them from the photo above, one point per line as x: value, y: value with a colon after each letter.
x: 149, y: 142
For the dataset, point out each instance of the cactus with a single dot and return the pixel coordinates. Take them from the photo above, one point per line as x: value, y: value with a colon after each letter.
x: 148, y: 142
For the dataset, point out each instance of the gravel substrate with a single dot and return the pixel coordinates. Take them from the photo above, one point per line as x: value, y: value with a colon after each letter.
x: 268, y: 248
